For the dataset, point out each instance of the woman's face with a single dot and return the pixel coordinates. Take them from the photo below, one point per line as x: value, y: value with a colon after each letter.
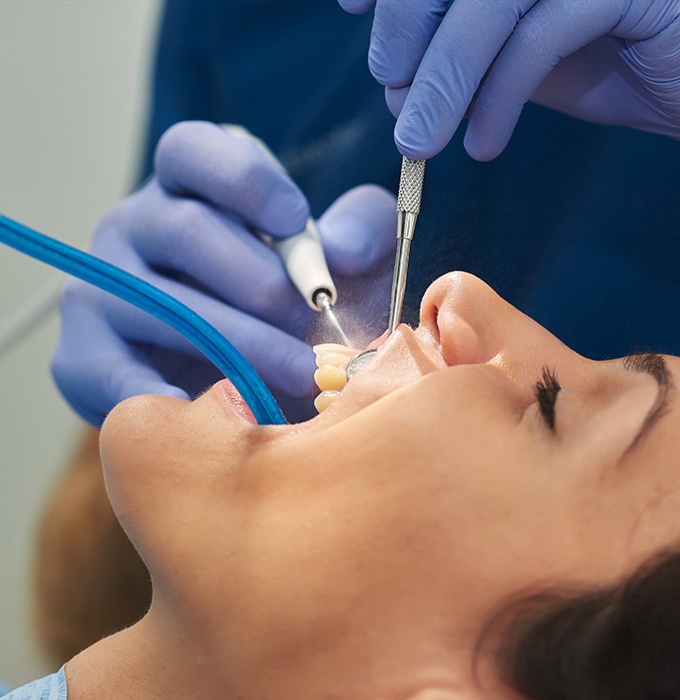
x: 439, y: 483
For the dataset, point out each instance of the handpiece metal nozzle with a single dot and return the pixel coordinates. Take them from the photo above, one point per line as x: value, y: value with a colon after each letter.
x: 322, y: 299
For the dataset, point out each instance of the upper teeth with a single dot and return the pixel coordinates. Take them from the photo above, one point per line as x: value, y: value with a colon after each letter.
x: 331, y: 359
x: 330, y: 377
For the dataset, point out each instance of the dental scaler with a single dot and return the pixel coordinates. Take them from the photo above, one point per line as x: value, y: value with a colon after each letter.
x: 302, y: 254
x: 408, y: 208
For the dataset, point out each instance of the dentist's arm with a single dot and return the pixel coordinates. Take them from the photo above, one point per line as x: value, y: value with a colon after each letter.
x: 188, y: 231
x: 606, y: 61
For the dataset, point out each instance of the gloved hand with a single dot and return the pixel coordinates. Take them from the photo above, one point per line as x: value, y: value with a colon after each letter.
x: 606, y: 61
x: 188, y: 232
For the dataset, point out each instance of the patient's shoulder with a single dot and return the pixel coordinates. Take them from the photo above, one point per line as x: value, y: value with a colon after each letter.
x: 51, y: 687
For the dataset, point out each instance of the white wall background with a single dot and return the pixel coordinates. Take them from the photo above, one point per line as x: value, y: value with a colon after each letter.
x: 73, y: 87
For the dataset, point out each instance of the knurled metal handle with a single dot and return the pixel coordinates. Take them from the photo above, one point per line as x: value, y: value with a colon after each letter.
x: 410, y: 185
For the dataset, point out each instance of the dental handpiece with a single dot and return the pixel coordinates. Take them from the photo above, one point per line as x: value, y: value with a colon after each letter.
x: 302, y: 254
x: 305, y: 262
x: 408, y: 208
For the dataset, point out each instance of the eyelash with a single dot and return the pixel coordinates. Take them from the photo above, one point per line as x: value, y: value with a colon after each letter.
x: 546, y: 390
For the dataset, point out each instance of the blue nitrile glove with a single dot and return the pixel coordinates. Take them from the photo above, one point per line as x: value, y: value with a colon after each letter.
x: 605, y: 61
x: 187, y: 231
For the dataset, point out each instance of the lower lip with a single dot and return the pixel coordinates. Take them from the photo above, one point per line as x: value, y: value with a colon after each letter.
x: 226, y: 392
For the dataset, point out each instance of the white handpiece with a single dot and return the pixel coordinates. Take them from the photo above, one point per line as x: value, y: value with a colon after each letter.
x: 302, y: 254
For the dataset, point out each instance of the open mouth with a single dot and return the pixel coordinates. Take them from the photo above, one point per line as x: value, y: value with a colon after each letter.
x: 330, y: 377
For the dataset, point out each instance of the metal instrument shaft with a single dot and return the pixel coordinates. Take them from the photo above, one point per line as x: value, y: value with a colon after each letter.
x: 408, y: 208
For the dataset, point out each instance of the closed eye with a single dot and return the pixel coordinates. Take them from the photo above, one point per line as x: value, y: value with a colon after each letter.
x: 546, y: 390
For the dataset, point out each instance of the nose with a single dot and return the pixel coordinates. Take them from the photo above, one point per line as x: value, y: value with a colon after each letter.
x: 474, y: 325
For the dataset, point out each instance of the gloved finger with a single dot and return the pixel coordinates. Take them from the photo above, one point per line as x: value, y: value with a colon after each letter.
x: 395, y: 98
x: 459, y: 55
x: 552, y: 30
x: 200, y: 159
x: 284, y: 362
x: 661, y: 50
x: 357, y: 7
x: 359, y: 230
x: 594, y: 83
x: 190, y: 237
x: 402, y: 31
x: 107, y: 373
x: 584, y: 85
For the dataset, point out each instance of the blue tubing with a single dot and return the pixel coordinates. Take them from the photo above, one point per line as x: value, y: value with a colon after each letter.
x: 154, y: 301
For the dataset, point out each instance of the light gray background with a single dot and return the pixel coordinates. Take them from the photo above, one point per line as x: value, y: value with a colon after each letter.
x: 73, y: 88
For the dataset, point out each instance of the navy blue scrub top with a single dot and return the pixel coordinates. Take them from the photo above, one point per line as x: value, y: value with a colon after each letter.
x: 576, y: 224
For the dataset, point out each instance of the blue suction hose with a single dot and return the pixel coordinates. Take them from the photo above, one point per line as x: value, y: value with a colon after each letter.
x: 154, y: 301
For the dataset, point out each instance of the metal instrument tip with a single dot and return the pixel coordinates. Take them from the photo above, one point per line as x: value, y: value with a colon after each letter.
x: 322, y: 299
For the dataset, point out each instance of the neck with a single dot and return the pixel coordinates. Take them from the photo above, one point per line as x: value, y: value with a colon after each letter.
x: 147, y: 662
x: 155, y: 660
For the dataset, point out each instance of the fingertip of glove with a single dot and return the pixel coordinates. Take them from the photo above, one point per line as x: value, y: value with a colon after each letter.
x: 481, y: 147
x: 359, y: 228
x: 144, y: 385
x: 176, y: 140
x: 171, y: 391
x: 305, y: 388
x: 414, y: 140
x: 395, y: 98
x: 298, y: 369
x: 356, y: 7
x: 413, y: 150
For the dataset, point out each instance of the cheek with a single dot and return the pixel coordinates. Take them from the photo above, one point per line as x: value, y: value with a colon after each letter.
x: 500, y: 507
x: 650, y: 505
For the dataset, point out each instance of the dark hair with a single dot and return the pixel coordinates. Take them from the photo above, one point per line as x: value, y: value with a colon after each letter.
x: 616, y: 643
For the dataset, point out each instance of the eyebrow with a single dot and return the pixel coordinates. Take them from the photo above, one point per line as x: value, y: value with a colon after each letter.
x: 656, y: 366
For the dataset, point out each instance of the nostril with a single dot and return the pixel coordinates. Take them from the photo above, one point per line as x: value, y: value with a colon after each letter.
x: 435, y: 325
x: 429, y: 319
